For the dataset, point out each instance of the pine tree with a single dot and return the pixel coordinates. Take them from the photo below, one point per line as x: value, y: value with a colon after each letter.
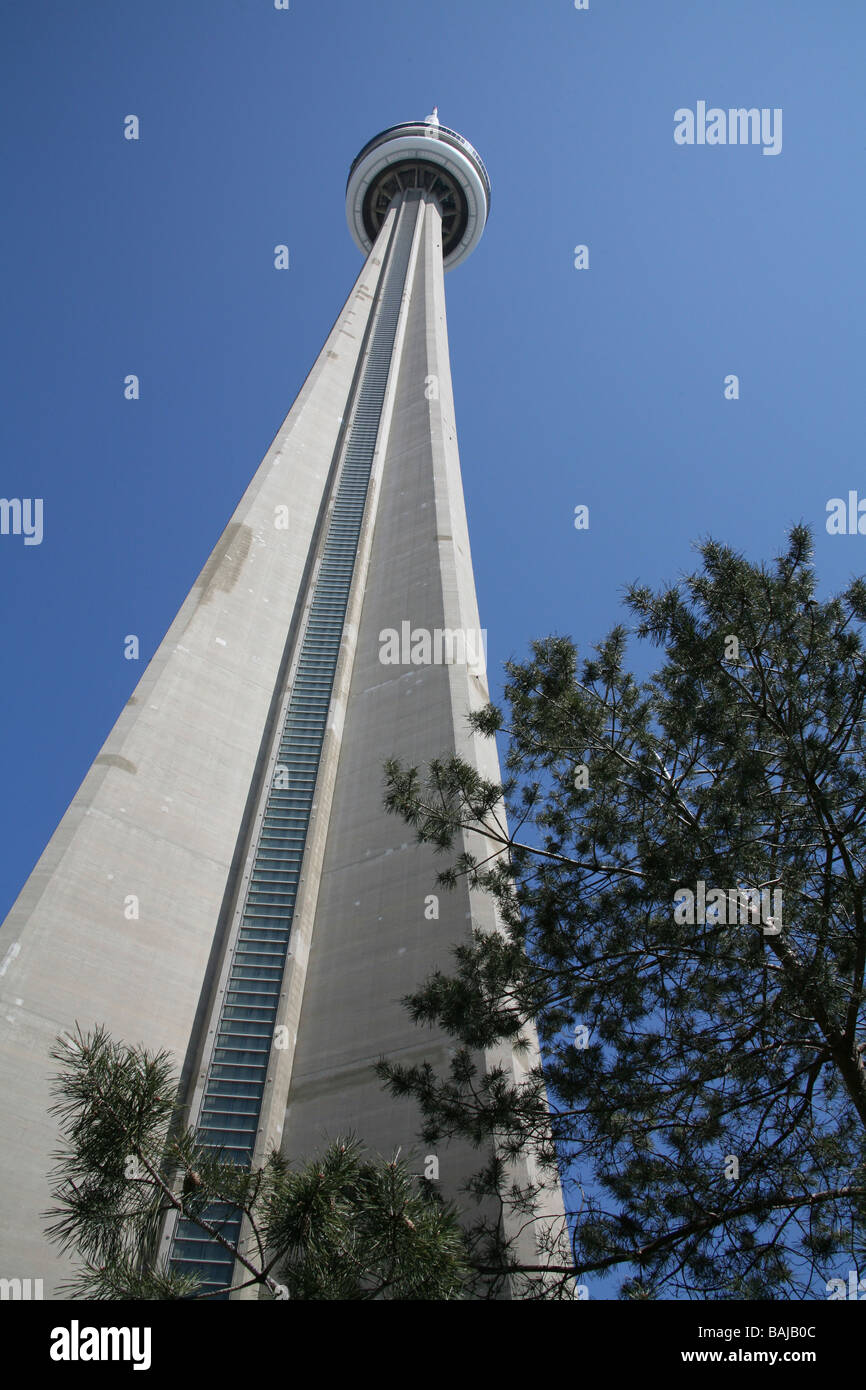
x: 682, y: 897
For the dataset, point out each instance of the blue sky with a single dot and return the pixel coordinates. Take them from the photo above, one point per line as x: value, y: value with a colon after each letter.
x: 603, y: 387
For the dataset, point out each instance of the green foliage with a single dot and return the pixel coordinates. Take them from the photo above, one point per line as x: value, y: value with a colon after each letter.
x: 342, y: 1226
x: 739, y: 763
x: 345, y: 1227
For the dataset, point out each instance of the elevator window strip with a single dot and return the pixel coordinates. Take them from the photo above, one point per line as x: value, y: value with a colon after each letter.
x: 256, y: 974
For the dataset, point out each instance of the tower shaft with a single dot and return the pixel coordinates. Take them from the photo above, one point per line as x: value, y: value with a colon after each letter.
x: 226, y: 884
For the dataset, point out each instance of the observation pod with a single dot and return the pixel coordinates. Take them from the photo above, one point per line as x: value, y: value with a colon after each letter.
x: 427, y: 155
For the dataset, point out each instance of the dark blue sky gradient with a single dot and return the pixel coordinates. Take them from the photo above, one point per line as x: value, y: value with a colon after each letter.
x: 603, y: 387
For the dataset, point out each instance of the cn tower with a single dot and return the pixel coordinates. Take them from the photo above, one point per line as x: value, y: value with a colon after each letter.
x: 280, y: 914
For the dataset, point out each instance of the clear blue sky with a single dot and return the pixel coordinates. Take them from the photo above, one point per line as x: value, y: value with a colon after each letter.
x: 602, y: 387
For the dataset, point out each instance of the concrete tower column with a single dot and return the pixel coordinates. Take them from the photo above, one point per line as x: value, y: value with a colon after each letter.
x: 226, y: 884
